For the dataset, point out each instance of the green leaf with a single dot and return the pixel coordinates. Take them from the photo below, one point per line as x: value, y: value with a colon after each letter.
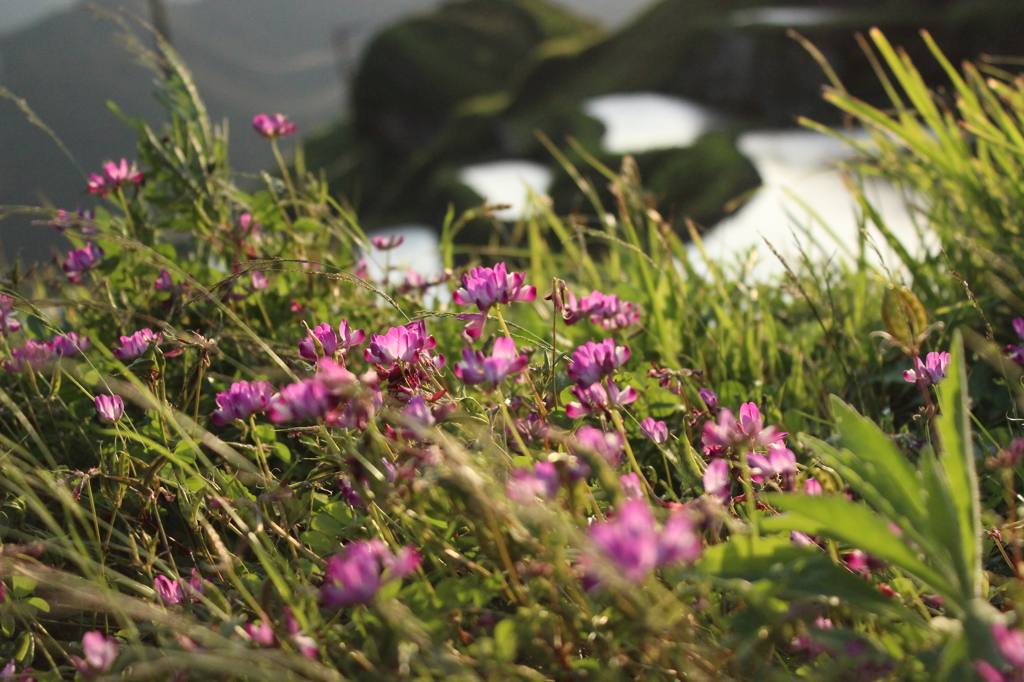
x: 957, y: 459
x: 505, y: 639
x: 39, y: 604
x: 307, y: 225
x: 751, y: 558
x: 283, y: 452
x: 857, y: 525
x: 195, y: 483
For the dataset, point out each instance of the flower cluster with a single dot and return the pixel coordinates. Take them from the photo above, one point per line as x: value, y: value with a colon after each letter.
x: 605, y: 310
x: 272, y: 126
x: 931, y: 371
x: 100, y: 654
x: 743, y: 438
x: 633, y: 542
x: 322, y: 341
x: 115, y: 175
x: 476, y: 368
x: 79, y: 261
x: 7, y: 322
x: 242, y: 400
x: 138, y: 343
x: 356, y: 574
x: 485, y: 287
x: 400, y: 344
x: 34, y: 355
x: 81, y: 219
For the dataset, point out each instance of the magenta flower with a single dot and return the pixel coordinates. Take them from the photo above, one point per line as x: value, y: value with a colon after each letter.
x: 529, y: 484
x: 780, y: 463
x: 400, y: 344
x: 248, y: 227
x: 81, y: 260
x: 7, y: 321
x: 709, y: 397
x: 387, y: 243
x: 80, y: 219
x: 70, y: 343
x: 363, y: 567
x: 632, y: 489
x: 633, y: 542
x: 261, y: 633
x: 476, y: 368
x: 931, y: 371
x: 716, y: 479
x: 273, y: 126
x: 1010, y: 643
x: 475, y: 328
x: 32, y: 355
x: 813, y: 487
x: 164, y: 281
x: 167, y: 590
x: 747, y: 433
x: 100, y: 654
x: 258, y: 281
x: 607, y: 311
x: 591, y: 362
x: 241, y: 400
x: 484, y: 287
x: 306, y: 645
x: 115, y: 175
x: 608, y: 445
x: 329, y: 341
x: 598, y: 398
x: 655, y: 430
x: 307, y: 400
x: 109, y: 407
x: 135, y: 345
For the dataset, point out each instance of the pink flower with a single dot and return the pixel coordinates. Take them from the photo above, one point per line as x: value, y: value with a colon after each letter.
x: 932, y: 371
x: 400, y: 344
x: 526, y: 485
x: 309, y: 399
x: 748, y: 432
x: 633, y: 542
x: 363, y: 567
x: 248, y: 227
x: 258, y: 281
x: 598, y: 398
x: 273, y: 126
x: 81, y: 219
x: 709, y: 397
x: 330, y: 341
x: 813, y: 487
x: 779, y: 463
x: 475, y: 328
x: 1010, y: 643
x: 100, y: 654
x: 164, y: 281
x: 608, y: 445
x: 70, y: 343
x: 655, y: 430
x: 32, y: 355
x: 476, y: 368
x: 387, y: 243
x: 608, y: 311
x: 260, y: 633
x: 716, y: 479
x: 135, y: 345
x: 81, y: 260
x: 591, y: 362
x: 109, y: 407
x: 7, y: 322
x: 631, y: 486
x: 485, y: 286
x: 306, y: 645
x: 241, y: 400
x: 114, y: 176
x: 167, y: 590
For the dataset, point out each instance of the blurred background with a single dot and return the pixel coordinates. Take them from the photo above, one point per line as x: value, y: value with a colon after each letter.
x: 412, y: 106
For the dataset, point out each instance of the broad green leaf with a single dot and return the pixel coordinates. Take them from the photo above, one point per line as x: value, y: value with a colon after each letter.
x: 855, y: 524
x: 750, y: 557
x: 957, y: 459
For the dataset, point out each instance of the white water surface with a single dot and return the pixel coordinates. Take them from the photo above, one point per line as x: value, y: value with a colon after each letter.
x: 638, y: 122
x: 508, y: 182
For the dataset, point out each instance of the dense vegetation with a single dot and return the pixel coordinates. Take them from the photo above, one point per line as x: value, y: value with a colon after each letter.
x: 229, y: 454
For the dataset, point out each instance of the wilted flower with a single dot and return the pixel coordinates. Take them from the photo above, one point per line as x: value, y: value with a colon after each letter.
x: 114, y: 176
x: 598, y: 398
x: 526, y: 485
x: 100, y: 653
x: 608, y: 445
x: 329, y: 341
x: 363, y: 567
x: 109, y: 407
x: 633, y: 542
x: 655, y: 430
x: 241, y: 400
x: 400, y: 344
x: 591, y: 362
x: 931, y: 371
x: 7, y: 322
x: 81, y: 260
x: 135, y: 345
x: 387, y: 243
x: 273, y: 126
x: 476, y: 368
x: 32, y: 355
x: 485, y: 286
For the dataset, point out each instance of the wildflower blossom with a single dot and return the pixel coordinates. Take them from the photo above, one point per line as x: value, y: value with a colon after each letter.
x: 306, y: 645
x: 605, y: 310
x: 591, y: 362
x: 749, y: 432
x: 272, y: 126
x: 168, y: 590
x: 631, y: 486
x: 7, y: 322
x: 528, y: 484
x: 332, y: 343
x: 709, y: 397
x: 780, y: 462
x: 476, y: 368
x: 164, y: 281
x: 261, y: 633
x: 135, y: 345
x: 716, y: 479
x: 81, y: 219
x: 81, y: 260
x: 485, y: 287
x: 100, y: 654
x: 241, y: 400
x: 931, y: 371
x: 387, y: 243
x: 608, y: 445
x: 305, y: 400
x: 400, y: 344
x: 109, y: 407
x: 633, y: 542
x: 655, y: 430
x: 598, y: 398
x: 258, y: 281
x: 115, y: 175
x: 32, y: 355
x: 69, y: 344
x: 248, y: 227
x: 356, y: 574
x: 813, y: 487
